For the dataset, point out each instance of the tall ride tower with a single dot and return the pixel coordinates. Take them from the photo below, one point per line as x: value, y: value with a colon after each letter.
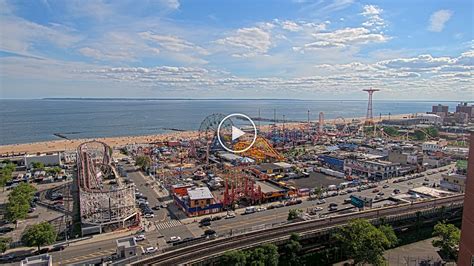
x: 369, y: 119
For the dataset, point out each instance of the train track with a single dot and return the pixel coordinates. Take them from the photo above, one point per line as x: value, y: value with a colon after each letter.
x: 215, y: 247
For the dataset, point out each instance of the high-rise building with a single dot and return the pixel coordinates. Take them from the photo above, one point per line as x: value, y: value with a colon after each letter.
x: 466, y: 247
x: 465, y: 108
x: 440, y: 109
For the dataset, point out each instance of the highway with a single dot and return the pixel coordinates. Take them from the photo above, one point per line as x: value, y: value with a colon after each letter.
x: 215, y: 247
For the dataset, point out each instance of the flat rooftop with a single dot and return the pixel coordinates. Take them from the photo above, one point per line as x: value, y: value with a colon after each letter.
x: 126, y: 242
x: 199, y: 193
x: 268, y: 187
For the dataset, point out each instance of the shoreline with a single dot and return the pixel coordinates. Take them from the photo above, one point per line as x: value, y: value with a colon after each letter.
x: 69, y: 145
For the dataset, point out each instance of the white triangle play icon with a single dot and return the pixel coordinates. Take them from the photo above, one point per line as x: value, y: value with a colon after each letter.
x: 236, y: 133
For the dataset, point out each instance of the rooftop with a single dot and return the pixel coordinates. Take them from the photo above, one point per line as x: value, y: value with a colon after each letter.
x: 126, y: 242
x: 199, y: 193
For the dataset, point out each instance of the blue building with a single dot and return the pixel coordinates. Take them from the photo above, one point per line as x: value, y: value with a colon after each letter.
x: 333, y: 162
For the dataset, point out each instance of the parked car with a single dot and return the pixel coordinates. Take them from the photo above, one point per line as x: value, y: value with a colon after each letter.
x: 174, y: 239
x: 149, y: 215
x: 150, y: 250
x: 230, y: 215
x: 386, y: 186
x: 139, y: 238
x: 6, y: 229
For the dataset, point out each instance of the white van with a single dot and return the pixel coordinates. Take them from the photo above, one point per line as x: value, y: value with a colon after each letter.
x: 250, y: 210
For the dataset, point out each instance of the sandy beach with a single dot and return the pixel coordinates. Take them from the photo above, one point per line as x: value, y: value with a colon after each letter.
x: 69, y: 145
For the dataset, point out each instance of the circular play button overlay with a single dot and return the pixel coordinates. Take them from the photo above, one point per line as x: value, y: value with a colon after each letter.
x: 241, y: 130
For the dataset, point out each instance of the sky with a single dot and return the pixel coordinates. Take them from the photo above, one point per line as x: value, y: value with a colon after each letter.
x: 300, y: 49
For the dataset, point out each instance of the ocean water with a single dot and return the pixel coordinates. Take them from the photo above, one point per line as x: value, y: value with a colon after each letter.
x: 23, y: 121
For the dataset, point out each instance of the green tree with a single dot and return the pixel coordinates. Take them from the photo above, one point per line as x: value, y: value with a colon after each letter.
x: 54, y: 170
x: 264, y: 255
x: 392, y: 238
x: 391, y: 131
x: 19, y: 202
x: 318, y: 191
x: 39, y: 235
x: 234, y: 257
x: 4, y: 244
x: 293, y: 214
x: 433, y: 132
x: 419, y: 135
x: 144, y: 162
x: 291, y: 251
x: 448, y: 237
x: 5, y: 176
x: 37, y: 165
x: 365, y: 243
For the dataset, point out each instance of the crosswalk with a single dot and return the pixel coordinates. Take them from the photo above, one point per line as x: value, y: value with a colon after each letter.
x: 169, y: 224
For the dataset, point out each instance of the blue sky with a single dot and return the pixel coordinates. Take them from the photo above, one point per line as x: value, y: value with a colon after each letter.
x: 323, y: 49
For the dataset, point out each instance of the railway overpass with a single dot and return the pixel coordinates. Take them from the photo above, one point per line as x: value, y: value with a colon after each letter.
x: 209, y: 249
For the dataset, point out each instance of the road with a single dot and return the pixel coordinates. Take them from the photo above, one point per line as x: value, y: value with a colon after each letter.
x: 166, y: 227
x: 194, y: 253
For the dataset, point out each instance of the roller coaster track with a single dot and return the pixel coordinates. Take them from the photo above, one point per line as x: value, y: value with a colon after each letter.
x: 213, y: 248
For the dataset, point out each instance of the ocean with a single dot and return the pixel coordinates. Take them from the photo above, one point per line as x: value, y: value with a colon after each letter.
x: 24, y: 121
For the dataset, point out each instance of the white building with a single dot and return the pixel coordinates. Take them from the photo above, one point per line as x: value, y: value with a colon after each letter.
x: 433, y: 146
x: 46, y: 159
x: 40, y: 260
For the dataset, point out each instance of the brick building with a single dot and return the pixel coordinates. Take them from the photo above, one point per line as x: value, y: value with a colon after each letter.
x: 466, y: 248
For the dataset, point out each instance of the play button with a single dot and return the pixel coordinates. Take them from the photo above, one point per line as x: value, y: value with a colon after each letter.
x: 239, y: 130
x: 237, y: 133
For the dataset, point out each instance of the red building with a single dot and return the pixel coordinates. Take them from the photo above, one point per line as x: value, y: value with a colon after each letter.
x: 466, y: 248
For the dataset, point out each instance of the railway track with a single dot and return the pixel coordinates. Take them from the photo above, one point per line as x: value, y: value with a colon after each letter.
x: 215, y: 247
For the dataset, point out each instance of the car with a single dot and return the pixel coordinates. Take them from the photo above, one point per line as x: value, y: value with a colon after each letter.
x: 426, y: 184
x: 150, y: 250
x: 410, y: 183
x: 271, y: 207
x: 321, y: 201
x: 164, y: 206
x: 156, y: 208
x: 427, y: 179
x: 149, y: 215
x: 396, y: 191
x: 375, y: 191
x: 380, y: 193
x: 139, y: 237
x: 174, y: 239
x: 57, y: 248
x: 41, y: 251
x: 347, y: 201
x: 261, y: 209
x: 386, y: 186
x: 216, y: 218
x: 205, y: 220
x: 343, y: 193
x: 332, y: 204
x: 205, y: 223
x: 6, y: 229
x: 378, y: 197
x: 230, y: 215
x: 7, y: 258
x: 332, y: 208
x: 210, y: 233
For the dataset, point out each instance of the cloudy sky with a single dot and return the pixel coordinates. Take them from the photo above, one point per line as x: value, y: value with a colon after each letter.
x: 321, y: 49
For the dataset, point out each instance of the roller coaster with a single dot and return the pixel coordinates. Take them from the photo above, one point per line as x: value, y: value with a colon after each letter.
x: 102, y: 207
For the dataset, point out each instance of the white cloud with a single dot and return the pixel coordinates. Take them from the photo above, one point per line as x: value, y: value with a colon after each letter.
x: 438, y: 19
x: 343, y: 38
x: 374, y: 20
x: 19, y: 35
x: 171, y: 4
x: 172, y: 43
x: 248, y: 41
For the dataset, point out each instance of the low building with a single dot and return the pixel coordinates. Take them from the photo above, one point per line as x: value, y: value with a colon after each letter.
x: 333, y: 161
x: 433, y: 146
x: 372, y: 170
x: 197, y: 201
x: 271, y: 191
x: 404, y: 157
x: 428, y: 192
x: 46, y: 159
x: 40, y: 260
x: 453, y: 182
x: 126, y: 247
